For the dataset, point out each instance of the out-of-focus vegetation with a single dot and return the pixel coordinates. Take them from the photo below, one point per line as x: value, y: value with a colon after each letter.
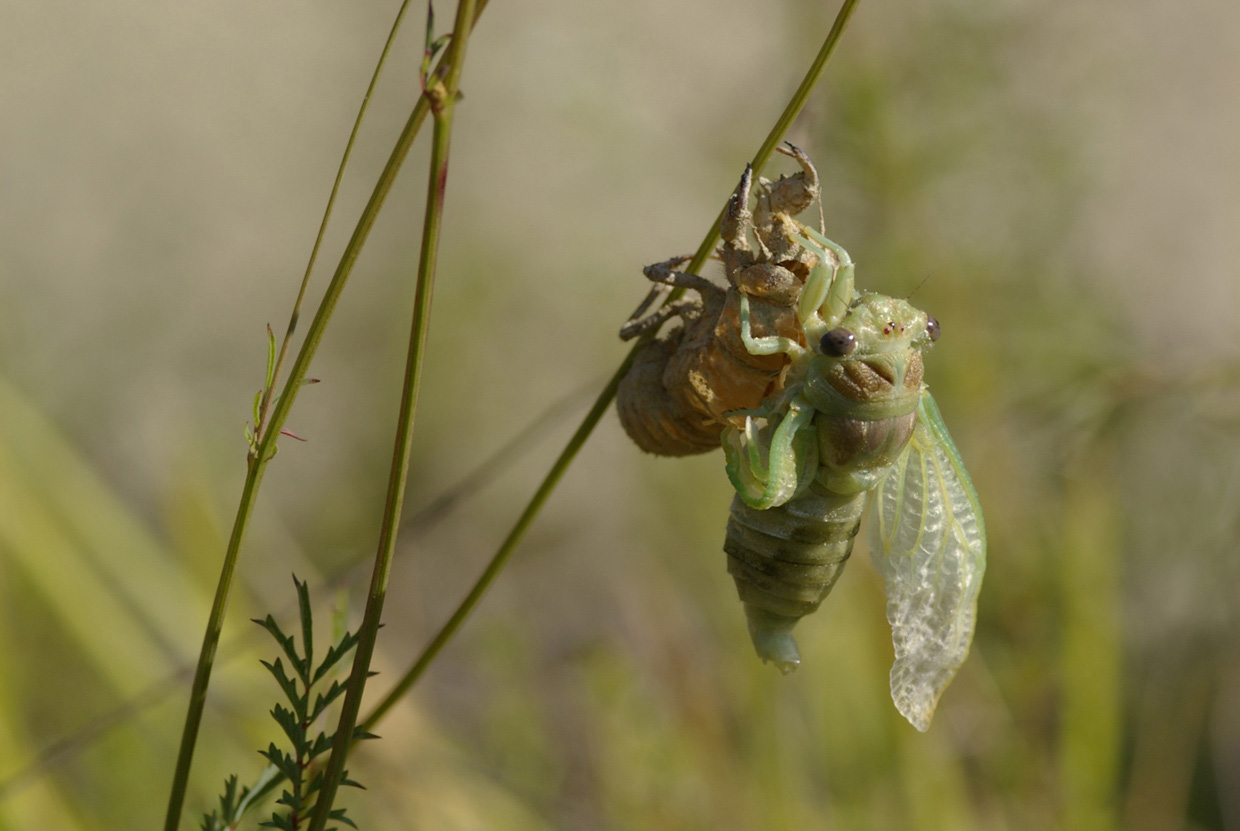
x: 1058, y: 184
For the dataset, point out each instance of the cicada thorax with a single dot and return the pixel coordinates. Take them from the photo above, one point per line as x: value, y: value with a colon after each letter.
x: 723, y: 376
x: 866, y: 415
x: 676, y: 398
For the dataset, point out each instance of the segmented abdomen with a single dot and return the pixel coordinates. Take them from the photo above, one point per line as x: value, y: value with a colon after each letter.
x: 785, y: 561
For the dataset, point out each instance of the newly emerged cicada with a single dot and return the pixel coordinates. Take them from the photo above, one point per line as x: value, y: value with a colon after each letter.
x: 855, y: 423
x: 679, y: 392
x: 816, y: 393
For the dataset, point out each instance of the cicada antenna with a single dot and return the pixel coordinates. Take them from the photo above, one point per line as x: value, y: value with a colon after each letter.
x: 919, y: 285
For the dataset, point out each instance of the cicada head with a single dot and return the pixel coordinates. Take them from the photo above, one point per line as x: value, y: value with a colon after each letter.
x: 865, y: 379
x: 872, y: 359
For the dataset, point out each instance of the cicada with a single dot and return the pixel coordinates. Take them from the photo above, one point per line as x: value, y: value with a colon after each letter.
x: 676, y: 398
x: 855, y: 423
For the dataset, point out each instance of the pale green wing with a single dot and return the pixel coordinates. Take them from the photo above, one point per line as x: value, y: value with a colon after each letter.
x: 928, y: 541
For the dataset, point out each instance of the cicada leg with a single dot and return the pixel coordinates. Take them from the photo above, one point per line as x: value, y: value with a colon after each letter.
x: 793, y: 194
x: 665, y: 277
x: 737, y: 218
x: 777, y: 202
x: 768, y: 345
x: 769, y: 469
x: 830, y: 287
x: 636, y: 324
x: 666, y: 273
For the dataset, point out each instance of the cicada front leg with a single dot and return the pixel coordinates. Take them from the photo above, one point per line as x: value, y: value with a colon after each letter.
x: 793, y: 194
x: 665, y: 277
x: 770, y: 465
x: 767, y: 345
x: 788, y: 195
x: 735, y: 225
x: 830, y: 288
x: 778, y: 202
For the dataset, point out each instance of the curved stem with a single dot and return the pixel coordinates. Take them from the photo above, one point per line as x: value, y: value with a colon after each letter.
x: 506, y: 548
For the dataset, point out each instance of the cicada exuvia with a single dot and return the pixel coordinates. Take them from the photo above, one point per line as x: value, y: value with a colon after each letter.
x: 677, y: 395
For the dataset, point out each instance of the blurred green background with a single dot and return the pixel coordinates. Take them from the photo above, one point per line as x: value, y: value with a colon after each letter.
x: 1063, y: 178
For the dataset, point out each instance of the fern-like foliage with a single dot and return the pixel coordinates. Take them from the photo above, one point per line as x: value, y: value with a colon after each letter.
x: 293, y: 766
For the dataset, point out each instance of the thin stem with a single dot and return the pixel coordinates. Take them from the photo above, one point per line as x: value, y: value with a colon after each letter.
x: 210, y: 641
x: 327, y: 213
x: 795, y: 104
x: 442, y: 97
x: 266, y: 449
x: 549, y: 482
x: 506, y: 549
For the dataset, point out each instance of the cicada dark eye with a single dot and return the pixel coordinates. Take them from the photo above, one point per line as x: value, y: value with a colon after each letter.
x: 932, y: 327
x: 838, y: 342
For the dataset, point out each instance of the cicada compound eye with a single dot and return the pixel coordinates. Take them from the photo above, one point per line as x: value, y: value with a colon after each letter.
x: 838, y: 342
x: 932, y: 327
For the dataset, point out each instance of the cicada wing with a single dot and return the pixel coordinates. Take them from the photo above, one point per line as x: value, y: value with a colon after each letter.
x: 928, y: 541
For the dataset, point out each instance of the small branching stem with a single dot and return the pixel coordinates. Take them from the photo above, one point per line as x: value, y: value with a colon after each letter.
x: 269, y: 391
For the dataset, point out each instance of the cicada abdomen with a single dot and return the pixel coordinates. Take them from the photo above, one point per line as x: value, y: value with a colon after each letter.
x: 676, y: 398
x: 785, y: 561
x: 660, y: 406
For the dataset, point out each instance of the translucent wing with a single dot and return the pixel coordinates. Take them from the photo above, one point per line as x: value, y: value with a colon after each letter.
x: 928, y: 541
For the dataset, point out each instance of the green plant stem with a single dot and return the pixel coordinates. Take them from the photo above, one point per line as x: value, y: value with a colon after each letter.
x: 442, y: 97
x: 562, y: 462
x: 206, y: 656
x: 506, y: 549
x: 265, y: 405
x: 267, y: 445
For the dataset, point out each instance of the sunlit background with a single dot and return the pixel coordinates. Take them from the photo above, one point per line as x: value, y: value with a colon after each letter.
x: 1061, y: 181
